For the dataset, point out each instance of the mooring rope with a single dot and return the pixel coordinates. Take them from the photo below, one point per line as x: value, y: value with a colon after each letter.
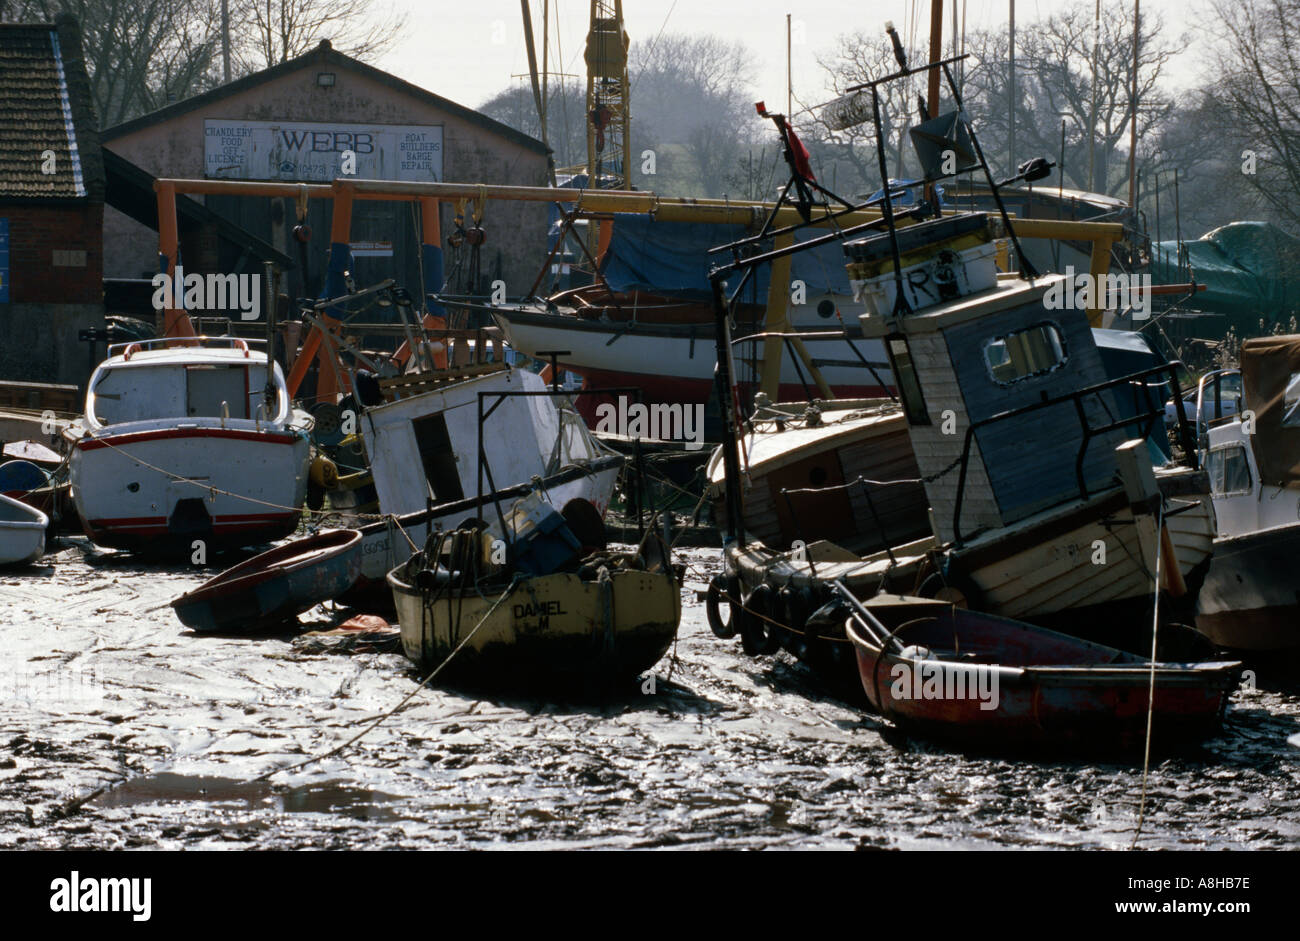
x: 1151, y: 688
x: 230, y: 493
x: 405, y: 699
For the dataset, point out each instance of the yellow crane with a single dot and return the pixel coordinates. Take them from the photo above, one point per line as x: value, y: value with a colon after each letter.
x: 608, y: 115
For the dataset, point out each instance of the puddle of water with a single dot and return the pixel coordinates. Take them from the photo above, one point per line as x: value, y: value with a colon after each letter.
x: 323, y: 798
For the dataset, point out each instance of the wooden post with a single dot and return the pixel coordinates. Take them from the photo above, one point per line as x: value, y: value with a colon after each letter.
x: 176, y: 323
x: 1098, y: 268
x: 777, y: 320
x: 327, y: 385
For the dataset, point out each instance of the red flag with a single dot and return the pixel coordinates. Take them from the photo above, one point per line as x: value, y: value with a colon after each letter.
x: 800, y: 153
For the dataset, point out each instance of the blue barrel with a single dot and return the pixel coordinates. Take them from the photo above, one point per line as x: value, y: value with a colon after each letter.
x: 21, y: 477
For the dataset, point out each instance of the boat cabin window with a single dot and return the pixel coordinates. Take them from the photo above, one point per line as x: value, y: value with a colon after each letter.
x: 1229, y: 470
x: 1025, y: 353
x: 909, y: 385
x: 211, y: 388
x: 1291, y: 402
x: 145, y: 393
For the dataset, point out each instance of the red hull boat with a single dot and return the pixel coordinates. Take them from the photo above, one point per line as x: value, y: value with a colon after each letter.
x: 982, y: 680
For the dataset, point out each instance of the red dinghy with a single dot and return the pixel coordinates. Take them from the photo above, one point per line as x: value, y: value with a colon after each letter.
x: 275, y: 586
x: 983, y: 680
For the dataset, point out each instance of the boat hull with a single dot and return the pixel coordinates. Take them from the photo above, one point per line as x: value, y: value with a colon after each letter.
x: 554, y: 632
x: 1024, y: 687
x: 1251, y: 597
x: 779, y: 464
x: 22, y: 532
x: 274, y: 587
x: 249, y: 486
x: 673, y: 363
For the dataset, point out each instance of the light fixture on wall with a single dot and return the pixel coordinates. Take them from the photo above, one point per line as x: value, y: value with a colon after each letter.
x: 325, y: 79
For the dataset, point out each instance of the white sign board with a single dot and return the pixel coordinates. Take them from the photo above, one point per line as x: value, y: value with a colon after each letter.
x: 295, y: 150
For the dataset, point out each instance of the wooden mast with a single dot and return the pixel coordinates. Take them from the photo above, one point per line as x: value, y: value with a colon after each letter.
x: 1133, y: 104
x: 936, y: 53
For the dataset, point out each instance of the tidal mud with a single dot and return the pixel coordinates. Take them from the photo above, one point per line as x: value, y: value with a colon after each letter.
x: 119, y: 728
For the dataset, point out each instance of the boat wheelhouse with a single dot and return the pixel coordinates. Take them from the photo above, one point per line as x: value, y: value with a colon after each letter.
x: 443, y: 457
x: 1045, y: 502
x: 188, y: 439
x: 1249, y: 599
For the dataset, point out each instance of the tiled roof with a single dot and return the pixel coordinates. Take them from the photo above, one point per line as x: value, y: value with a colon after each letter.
x: 45, y: 105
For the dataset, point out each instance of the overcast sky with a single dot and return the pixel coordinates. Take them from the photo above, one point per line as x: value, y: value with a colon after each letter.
x: 467, y: 51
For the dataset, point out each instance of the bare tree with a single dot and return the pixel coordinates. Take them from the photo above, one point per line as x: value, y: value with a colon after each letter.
x: 140, y: 53
x: 690, y: 97
x: 1258, y: 87
x: 1200, y: 148
x: 565, y: 117
x: 1055, y: 82
x: 858, y: 58
x: 267, y: 32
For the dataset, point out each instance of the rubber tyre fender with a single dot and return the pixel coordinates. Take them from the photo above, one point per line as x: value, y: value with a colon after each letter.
x: 946, y: 587
x: 758, y: 636
x: 720, y: 587
x: 793, y: 607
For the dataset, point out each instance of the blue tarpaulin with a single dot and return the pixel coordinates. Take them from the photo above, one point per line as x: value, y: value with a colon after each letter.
x: 673, y: 258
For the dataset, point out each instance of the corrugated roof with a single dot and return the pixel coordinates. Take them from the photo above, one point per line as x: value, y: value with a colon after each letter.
x: 45, y: 106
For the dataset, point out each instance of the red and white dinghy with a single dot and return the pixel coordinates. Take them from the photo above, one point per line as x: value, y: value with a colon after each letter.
x: 186, y: 439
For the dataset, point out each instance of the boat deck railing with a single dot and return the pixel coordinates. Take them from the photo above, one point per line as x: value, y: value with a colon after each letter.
x: 126, y: 350
x: 1138, y: 381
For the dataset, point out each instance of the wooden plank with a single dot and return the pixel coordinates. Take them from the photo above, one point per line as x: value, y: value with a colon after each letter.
x: 39, y: 396
x: 415, y: 383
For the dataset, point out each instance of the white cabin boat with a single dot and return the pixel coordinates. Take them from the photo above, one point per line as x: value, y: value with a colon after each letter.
x: 1250, y: 599
x: 424, y: 448
x: 182, y: 440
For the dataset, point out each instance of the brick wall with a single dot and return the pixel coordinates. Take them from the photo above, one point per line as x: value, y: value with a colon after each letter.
x: 55, y: 253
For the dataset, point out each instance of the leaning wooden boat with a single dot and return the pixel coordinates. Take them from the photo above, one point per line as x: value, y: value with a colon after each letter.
x: 276, y: 586
x: 22, y: 532
x: 422, y: 449
x: 608, y: 619
x: 838, y: 470
x: 981, y: 680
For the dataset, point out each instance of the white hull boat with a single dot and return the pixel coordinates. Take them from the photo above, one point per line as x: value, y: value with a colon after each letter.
x: 22, y: 532
x: 186, y: 440
x: 672, y: 361
x: 1249, y: 602
x: 423, y: 451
